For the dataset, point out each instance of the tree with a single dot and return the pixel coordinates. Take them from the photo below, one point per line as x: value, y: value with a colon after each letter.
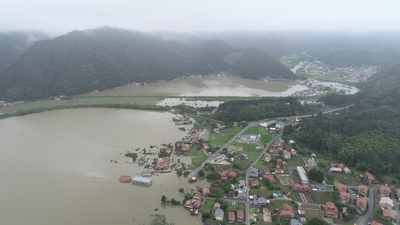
x: 164, y: 199
x: 201, y: 173
x: 316, y: 175
x: 133, y: 155
x: 181, y: 190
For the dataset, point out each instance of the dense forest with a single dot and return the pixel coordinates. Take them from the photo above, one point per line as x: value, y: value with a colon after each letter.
x: 13, y: 44
x: 365, y: 136
x: 257, y: 109
x: 83, y: 61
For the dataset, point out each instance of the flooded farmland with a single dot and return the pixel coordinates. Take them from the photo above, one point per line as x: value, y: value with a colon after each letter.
x: 56, y: 168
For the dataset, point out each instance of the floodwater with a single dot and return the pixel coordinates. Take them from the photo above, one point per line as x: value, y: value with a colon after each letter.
x: 55, y: 168
x: 209, y: 86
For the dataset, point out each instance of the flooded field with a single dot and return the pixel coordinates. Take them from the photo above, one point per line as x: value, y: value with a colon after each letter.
x: 208, y: 86
x: 55, y: 168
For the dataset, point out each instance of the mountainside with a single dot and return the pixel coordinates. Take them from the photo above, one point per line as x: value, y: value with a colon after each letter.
x: 337, y: 49
x: 83, y: 61
x: 13, y: 44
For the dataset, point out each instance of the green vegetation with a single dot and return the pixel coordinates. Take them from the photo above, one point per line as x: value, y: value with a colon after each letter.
x: 265, y: 107
x: 197, y: 161
x: 133, y: 155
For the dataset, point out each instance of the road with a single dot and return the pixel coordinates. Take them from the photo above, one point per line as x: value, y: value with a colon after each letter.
x: 371, y: 206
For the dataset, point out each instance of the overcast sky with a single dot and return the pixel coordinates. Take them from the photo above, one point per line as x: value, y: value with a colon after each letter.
x: 57, y: 17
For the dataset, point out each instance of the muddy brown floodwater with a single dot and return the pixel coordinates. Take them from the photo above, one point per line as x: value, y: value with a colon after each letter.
x: 55, y: 168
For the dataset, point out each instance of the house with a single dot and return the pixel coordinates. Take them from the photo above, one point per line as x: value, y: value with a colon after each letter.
x: 286, y: 154
x: 260, y: 202
x: 186, y: 147
x: 163, y: 163
x: 281, y: 164
x: 205, y: 146
x: 219, y: 126
x: 385, y: 191
x: 286, y: 211
x: 242, y: 183
x: 344, y: 196
x: 398, y: 193
x: 216, y: 206
x: 370, y: 178
x: 230, y: 150
x: 331, y: 210
x: 240, y: 216
x: 302, y: 187
x: 241, y: 196
x: 125, y: 178
x: 341, y: 187
x: 141, y: 160
x: 195, y: 202
x: 361, y: 203
x: 219, y: 214
x: 271, y: 178
x: 232, y: 174
x: 147, y: 173
x: 178, y: 166
x: 215, y: 130
x: 245, y: 156
x: 303, y: 220
x: 389, y: 215
x: 275, y: 149
x: 266, y: 157
x: 295, y: 222
x: 362, y: 190
x: 205, y: 190
x: 386, y: 202
x: 264, y: 171
x: 253, y: 173
x: 231, y: 217
x: 255, y: 183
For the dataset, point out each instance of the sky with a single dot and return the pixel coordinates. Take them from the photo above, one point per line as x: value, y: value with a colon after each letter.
x: 62, y: 16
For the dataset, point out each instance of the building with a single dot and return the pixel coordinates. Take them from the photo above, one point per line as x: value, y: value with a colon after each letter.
x: 253, y: 173
x: 271, y: 178
x: 163, y: 163
x: 303, y: 175
x: 302, y: 187
x: 147, y: 173
x: 141, y: 160
x: 142, y: 181
x: 344, y: 196
x: 331, y: 210
x: 264, y: 171
x: 385, y: 191
x: 286, y: 154
x: 240, y: 216
x: 266, y: 157
x: 125, y: 178
x: 389, y: 215
x: 362, y: 190
x: 376, y: 223
x: 281, y: 164
x: 341, y: 187
x: 219, y: 214
x: 286, y: 211
x: 370, y: 178
x: 195, y: 202
x: 386, y: 202
x: 255, y: 183
x: 362, y: 203
x: 295, y: 222
x: 231, y: 217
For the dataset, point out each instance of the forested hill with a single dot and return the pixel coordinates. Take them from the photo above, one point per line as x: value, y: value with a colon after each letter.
x: 13, y: 44
x: 367, y: 135
x: 83, y: 61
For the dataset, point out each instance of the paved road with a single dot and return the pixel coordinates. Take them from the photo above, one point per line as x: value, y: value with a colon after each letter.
x: 371, y: 206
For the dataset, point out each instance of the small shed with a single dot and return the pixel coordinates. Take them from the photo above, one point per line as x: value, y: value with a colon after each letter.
x: 125, y: 178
